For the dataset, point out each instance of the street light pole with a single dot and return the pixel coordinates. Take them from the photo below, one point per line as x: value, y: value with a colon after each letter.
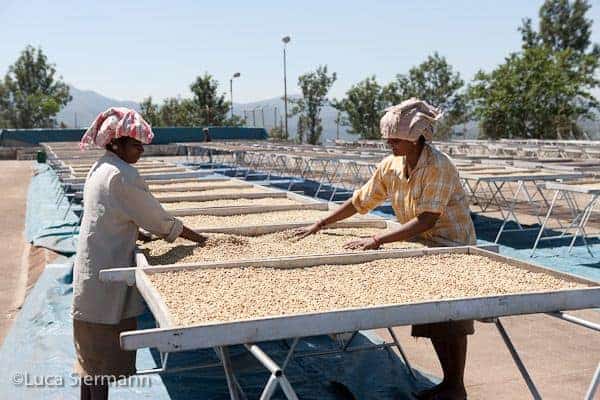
x: 285, y: 40
x: 236, y: 75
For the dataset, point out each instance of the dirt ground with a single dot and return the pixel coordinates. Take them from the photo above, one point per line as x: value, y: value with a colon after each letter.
x: 561, y: 357
x: 14, y: 181
x: 21, y: 263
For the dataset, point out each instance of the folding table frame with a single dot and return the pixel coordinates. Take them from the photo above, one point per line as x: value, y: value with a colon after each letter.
x: 580, y: 214
x: 527, y: 185
x: 172, y: 338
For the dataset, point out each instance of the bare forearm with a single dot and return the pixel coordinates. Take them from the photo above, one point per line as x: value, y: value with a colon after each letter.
x: 346, y: 210
x: 409, y: 230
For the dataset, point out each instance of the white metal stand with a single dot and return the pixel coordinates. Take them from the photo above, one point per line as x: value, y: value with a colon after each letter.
x: 278, y: 378
x: 580, y: 218
x: 523, y: 369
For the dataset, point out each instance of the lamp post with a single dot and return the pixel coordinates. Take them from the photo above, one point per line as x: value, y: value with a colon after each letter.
x: 285, y: 40
x: 236, y: 75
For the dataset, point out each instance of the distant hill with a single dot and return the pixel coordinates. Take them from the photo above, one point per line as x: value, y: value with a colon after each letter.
x: 86, y: 105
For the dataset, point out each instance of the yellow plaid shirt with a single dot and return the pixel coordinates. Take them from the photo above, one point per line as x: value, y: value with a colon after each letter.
x: 434, y: 186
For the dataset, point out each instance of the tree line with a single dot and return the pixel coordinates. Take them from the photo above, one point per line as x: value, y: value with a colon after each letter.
x: 541, y: 91
x: 206, y: 107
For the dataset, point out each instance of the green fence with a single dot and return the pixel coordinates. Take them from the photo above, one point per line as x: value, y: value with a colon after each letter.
x: 15, y: 137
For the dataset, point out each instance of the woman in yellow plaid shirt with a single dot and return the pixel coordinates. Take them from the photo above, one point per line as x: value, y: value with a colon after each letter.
x: 429, y: 202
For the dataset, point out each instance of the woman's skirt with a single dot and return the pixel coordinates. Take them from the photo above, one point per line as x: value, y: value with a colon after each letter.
x: 99, y: 352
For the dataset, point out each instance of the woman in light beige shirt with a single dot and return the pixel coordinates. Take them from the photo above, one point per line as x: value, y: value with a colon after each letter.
x: 117, y: 202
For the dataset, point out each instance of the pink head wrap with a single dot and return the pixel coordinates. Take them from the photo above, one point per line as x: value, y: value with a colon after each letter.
x: 409, y: 120
x: 114, y: 123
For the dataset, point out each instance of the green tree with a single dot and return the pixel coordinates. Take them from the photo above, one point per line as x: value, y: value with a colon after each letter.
x: 301, y: 129
x: 363, y: 107
x: 210, y: 108
x: 533, y: 94
x: 3, y: 107
x: 276, y: 133
x: 434, y: 81
x: 150, y: 112
x: 179, y: 112
x: 206, y: 107
x: 32, y: 95
x: 340, y: 119
x: 544, y: 90
x: 563, y: 25
x: 314, y: 87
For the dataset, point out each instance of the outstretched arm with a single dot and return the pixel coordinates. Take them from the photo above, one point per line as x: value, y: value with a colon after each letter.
x: 346, y: 210
x: 419, y: 224
x: 373, y: 193
x: 186, y: 233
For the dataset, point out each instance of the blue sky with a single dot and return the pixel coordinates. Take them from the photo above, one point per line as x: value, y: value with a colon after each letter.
x: 132, y: 49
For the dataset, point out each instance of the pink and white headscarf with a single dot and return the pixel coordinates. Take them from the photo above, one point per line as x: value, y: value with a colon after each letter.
x: 409, y: 120
x: 114, y: 123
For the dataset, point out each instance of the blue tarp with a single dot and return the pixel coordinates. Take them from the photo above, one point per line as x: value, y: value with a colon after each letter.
x: 551, y: 253
x: 39, y: 350
x: 37, y: 355
x: 49, y: 221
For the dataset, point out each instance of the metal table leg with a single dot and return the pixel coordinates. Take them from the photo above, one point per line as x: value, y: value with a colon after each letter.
x: 231, y: 381
x: 402, y: 354
x: 594, y: 385
x: 277, y: 377
x: 582, y: 224
x: 544, y: 222
x: 517, y: 359
x: 510, y: 212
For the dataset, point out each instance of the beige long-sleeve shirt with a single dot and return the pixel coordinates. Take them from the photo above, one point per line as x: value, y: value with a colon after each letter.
x: 117, y: 202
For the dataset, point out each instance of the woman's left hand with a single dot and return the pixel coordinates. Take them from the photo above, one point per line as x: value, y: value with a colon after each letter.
x: 363, y: 244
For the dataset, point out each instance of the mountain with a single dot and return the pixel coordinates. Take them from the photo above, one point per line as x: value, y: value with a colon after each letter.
x: 86, y: 105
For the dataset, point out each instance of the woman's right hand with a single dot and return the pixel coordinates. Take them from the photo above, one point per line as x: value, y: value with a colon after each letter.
x: 193, y: 236
x: 305, y: 231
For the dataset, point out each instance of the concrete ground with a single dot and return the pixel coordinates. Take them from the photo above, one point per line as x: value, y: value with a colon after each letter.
x: 14, y: 181
x: 561, y: 357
